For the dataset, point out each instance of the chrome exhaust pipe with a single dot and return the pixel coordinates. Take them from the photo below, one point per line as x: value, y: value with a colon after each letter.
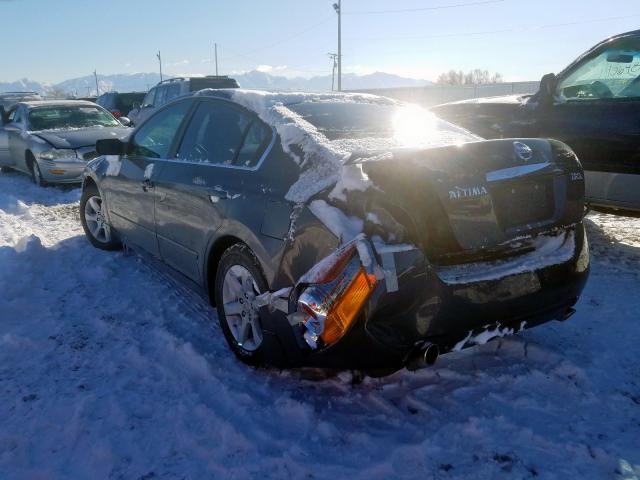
x: 424, y: 357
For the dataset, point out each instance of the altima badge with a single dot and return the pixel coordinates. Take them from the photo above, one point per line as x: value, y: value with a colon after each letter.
x: 523, y: 151
x: 469, y: 192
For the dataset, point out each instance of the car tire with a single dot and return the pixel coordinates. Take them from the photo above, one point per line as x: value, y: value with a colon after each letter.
x: 36, y: 173
x: 239, y: 280
x: 94, y: 221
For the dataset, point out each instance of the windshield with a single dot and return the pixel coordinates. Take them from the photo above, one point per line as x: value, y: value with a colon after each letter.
x: 401, y: 125
x: 66, y: 117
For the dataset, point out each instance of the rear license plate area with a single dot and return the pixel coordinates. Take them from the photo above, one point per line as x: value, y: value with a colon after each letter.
x: 521, y: 204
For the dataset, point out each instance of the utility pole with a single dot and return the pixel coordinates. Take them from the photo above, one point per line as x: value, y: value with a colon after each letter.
x: 338, y: 8
x: 95, y: 75
x: 334, y: 57
x: 215, y: 49
x: 160, y: 62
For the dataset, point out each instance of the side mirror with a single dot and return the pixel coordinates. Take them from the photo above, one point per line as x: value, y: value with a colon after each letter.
x: 125, y: 121
x: 548, y: 85
x: 111, y: 146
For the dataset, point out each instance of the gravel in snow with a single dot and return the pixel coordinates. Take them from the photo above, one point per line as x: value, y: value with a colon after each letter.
x: 108, y: 369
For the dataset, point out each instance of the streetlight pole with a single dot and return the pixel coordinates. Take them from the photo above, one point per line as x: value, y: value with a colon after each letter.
x: 160, y: 62
x: 338, y: 8
x: 95, y: 76
x: 333, y: 57
x: 215, y: 48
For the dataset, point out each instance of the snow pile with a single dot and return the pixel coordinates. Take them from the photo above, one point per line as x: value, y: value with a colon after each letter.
x: 547, y: 251
x: 108, y: 369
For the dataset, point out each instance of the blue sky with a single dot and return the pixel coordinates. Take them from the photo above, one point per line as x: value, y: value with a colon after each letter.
x: 51, y: 41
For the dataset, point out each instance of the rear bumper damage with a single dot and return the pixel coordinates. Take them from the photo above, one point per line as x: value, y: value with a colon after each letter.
x: 415, y: 304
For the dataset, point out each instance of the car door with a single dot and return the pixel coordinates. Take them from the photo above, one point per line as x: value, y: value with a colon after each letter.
x: 221, y: 145
x: 131, y: 186
x: 598, y: 115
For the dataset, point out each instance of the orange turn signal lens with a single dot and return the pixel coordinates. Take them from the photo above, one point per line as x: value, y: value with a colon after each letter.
x: 347, y: 307
x: 57, y: 172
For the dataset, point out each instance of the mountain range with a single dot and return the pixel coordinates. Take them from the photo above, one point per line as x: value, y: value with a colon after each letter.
x: 85, y: 86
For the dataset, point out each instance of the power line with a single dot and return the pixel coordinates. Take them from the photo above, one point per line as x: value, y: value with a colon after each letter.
x: 286, y: 39
x: 424, y: 9
x: 256, y: 61
x: 498, y: 31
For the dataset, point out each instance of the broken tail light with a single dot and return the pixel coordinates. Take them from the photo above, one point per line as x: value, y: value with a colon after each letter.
x: 331, y: 303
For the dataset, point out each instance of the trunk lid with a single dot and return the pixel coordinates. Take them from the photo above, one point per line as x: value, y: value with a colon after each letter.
x: 477, y: 199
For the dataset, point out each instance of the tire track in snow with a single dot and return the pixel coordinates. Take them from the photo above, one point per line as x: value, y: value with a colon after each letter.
x: 109, y: 369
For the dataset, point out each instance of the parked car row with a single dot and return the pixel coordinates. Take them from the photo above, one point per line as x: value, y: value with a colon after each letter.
x: 52, y: 140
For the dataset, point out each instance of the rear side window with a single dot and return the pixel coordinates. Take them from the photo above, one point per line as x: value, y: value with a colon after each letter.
x: 155, y: 137
x: 255, y: 143
x: 215, y: 134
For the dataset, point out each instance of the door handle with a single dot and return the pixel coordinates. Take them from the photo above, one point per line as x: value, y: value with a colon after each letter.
x: 147, y: 185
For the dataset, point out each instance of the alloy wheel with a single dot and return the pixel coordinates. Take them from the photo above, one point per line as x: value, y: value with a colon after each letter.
x: 239, y: 293
x: 95, y: 220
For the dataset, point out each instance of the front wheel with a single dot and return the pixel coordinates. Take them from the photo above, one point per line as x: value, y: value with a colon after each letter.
x: 239, y: 281
x: 36, y: 174
x: 94, y: 221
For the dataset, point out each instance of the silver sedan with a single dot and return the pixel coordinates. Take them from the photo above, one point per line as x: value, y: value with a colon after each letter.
x: 53, y: 140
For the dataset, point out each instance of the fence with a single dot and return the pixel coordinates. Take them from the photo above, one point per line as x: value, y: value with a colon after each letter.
x: 437, y: 94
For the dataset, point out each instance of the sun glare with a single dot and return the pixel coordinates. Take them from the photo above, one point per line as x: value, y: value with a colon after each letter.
x: 414, y: 125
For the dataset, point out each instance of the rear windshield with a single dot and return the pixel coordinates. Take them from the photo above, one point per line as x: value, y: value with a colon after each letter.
x: 405, y: 124
x: 65, y: 117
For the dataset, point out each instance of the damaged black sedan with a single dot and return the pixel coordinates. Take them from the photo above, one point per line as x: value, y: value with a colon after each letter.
x: 345, y: 231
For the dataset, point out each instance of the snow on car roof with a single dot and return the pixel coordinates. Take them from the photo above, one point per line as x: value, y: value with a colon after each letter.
x: 321, y: 159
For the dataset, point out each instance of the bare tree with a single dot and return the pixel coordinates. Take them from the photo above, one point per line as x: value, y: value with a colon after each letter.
x: 473, y: 77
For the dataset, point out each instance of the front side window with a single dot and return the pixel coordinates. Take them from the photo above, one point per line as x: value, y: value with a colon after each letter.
x: 70, y: 116
x: 149, y: 98
x: 215, y: 134
x: 18, y: 116
x: 11, y: 117
x: 613, y: 73
x: 154, y: 138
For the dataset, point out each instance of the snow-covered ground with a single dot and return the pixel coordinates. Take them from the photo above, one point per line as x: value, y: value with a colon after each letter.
x: 108, y: 369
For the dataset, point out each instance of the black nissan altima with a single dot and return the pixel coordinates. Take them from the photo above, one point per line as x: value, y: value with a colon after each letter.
x: 593, y: 105
x: 345, y: 230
